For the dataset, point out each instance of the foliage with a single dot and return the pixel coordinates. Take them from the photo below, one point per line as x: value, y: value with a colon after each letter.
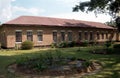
x: 116, y: 46
x: 71, y: 44
x: 86, y: 64
x: 42, y: 62
x: 49, y: 60
x: 103, y: 49
x: 26, y: 45
x: 108, y: 44
x: 115, y: 49
x: 29, y: 63
x: 85, y: 43
x: 118, y: 22
x: 109, y: 62
x: 53, y: 45
x: 78, y: 43
x: 101, y: 6
x: 111, y: 23
x: 92, y: 43
x: 62, y: 45
x: 21, y: 61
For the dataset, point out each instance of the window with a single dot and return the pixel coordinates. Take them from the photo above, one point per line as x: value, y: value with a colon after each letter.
x: 98, y: 36
x: 106, y: 35
x: 80, y: 36
x: 40, y: 35
x: 102, y: 35
x: 91, y: 35
x: 86, y: 36
x: 62, y: 36
x: 29, y: 35
x: 55, y: 36
x: 18, y: 36
x: 70, y: 36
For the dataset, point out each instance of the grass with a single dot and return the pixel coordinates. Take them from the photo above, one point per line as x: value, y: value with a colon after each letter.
x: 111, y: 63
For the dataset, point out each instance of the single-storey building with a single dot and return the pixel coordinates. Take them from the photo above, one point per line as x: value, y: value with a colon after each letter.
x: 44, y: 31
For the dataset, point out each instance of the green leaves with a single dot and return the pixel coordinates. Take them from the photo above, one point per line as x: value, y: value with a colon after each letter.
x: 99, y: 6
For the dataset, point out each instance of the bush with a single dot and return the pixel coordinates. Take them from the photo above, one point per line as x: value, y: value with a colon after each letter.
x: 71, y: 44
x: 116, y: 46
x: 92, y: 43
x: 85, y: 43
x: 62, y: 45
x: 54, y: 45
x: 86, y: 64
x: 26, y: 45
x: 78, y: 43
x: 108, y: 44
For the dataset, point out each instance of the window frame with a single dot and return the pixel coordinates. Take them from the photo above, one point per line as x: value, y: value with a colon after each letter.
x: 98, y: 35
x: 62, y: 35
x: 102, y: 35
x: 19, y: 41
x: 107, y: 35
x: 70, y: 35
x: 29, y: 31
x: 55, y: 38
x: 80, y: 35
x: 86, y: 35
x: 40, y: 35
x: 91, y: 35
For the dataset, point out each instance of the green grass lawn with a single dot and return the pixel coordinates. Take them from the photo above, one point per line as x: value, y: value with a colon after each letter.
x: 111, y: 63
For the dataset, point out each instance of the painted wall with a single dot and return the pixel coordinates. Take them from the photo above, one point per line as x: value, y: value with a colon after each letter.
x: 9, y: 32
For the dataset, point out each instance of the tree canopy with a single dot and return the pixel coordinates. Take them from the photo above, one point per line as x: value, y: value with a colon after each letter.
x: 101, y: 6
x: 111, y: 23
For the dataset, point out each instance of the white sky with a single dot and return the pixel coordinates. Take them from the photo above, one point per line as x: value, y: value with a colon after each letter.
x: 10, y: 9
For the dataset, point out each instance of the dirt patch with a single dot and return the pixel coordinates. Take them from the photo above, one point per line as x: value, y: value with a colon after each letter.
x: 65, y: 71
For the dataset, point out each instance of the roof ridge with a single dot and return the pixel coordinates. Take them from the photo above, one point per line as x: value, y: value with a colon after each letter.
x: 52, y: 21
x: 59, y: 18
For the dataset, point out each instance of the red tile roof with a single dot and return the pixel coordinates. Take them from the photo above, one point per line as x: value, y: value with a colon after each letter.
x: 47, y: 21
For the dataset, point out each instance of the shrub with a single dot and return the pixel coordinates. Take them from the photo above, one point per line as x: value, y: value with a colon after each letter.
x: 108, y: 44
x: 71, y: 44
x: 54, y: 45
x: 78, y: 43
x: 86, y: 64
x: 20, y: 61
x: 85, y: 43
x: 62, y: 45
x: 26, y: 45
x: 93, y: 43
x: 116, y: 46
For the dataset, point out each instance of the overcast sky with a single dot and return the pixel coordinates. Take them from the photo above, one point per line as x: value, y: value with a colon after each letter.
x: 10, y: 9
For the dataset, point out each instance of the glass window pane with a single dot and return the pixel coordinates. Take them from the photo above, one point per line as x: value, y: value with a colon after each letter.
x: 29, y: 35
x: 98, y: 36
x: 18, y: 36
x: 106, y: 35
x: 86, y: 36
x: 55, y: 36
x: 80, y: 36
x: 63, y: 36
x: 40, y: 35
x: 102, y: 35
x: 69, y: 36
x: 91, y: 36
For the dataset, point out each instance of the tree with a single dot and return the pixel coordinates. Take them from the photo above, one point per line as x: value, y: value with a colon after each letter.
x: 118, y: 22
x: 111, y: 23
x: 101, y: 6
